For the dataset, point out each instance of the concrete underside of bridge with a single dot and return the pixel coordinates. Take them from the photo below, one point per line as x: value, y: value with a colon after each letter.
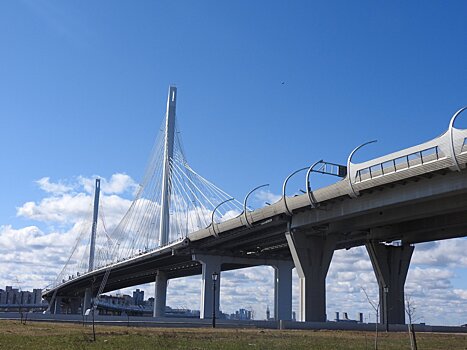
x: 421, y: 209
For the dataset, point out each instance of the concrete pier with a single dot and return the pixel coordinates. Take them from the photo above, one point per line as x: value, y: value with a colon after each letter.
x: 312, y: 256
x: 391, y: 264
x: 160, y: 295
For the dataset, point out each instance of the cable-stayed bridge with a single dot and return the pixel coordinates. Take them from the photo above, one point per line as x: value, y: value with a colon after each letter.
x: 180, y: 224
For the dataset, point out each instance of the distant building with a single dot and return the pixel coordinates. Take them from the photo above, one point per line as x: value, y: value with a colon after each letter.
x: 115, y: 304
x: 138, y: 297
x: 241, y: 314
x: 11, y: 298
x: 118, y: 299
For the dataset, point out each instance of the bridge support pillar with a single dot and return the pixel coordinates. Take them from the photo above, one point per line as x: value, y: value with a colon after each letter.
x: 160, y: 297
x: 57, y: 307
x: 210, y: 264
x: 283, y: 290
x: 312, y: 256
x: 391, y: 264
x: 87, y: 300
x: 75, y: 303
x: 52, y: 306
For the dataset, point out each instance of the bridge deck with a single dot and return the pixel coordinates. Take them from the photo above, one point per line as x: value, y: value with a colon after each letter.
x: 411, y: 195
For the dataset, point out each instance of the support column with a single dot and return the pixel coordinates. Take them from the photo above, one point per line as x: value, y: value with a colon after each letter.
x: 52, y: 306
x: 391, y: 264
x: 58, y: 305
x: 160, y: 297
x: 209, y: 265
x: 283, y: 291
x: 75, y: 303
x: 312, y: 256
x: 87, y: 300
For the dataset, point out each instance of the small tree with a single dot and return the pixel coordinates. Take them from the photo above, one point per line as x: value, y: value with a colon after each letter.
x: 20, y: 303
x: 410, y: 311
x: 375, y: 307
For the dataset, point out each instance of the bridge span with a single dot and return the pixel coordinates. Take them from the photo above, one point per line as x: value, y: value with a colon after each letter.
x: 388, y: 204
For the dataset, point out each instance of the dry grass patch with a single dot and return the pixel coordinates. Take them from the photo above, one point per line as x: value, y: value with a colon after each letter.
x: 38, y: 335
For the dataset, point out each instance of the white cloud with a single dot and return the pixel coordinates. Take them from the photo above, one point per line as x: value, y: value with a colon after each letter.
x: 449, y: 252
x: 118, y: 184
x: 65, y: 209
x: 31, y: 256
x: 461, y: 293
x: 54, y: 188
x: 430, y: 275
x: 261, y: 197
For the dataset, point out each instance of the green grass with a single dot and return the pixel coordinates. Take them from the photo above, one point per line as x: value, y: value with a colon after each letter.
x: 38, y: 335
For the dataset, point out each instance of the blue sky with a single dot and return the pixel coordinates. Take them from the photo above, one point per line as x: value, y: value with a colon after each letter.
x: 264, y: 87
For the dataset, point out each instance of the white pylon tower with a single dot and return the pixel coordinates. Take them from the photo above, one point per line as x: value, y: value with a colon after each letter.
x: 161, y: 277
x: 92, y: 247
x: 167, y: 173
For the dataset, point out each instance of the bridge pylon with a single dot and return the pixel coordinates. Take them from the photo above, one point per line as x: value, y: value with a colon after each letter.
x: 95, y: 217
x: 164, y: 228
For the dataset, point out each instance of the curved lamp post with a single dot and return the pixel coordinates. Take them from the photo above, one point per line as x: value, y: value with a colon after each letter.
x: 212, y: 216
x: 451, y: 136
x: 309, y: 192
x: 245, y: 201
x: 349, y: 162
x: 284, y: 187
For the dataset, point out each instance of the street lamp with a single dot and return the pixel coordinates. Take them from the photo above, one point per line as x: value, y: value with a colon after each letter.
x: 385, y: 308
x: 88, y: 311
x: 215, y: 276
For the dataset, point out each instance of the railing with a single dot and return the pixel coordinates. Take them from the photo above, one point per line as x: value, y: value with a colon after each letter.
x: 400, y: 163
x: 331, y: 169
x: 464, y: 145
x: 448, y: 150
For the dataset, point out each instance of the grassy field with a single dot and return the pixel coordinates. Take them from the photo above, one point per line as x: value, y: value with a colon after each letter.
x: 36, y: 335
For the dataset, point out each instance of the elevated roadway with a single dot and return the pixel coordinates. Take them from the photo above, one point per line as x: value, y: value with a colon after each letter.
x: 387, y: 204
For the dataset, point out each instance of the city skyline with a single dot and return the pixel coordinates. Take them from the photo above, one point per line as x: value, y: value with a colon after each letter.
x: 83, y: 94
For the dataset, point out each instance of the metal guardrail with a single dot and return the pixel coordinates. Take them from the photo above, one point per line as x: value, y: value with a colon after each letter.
x: 328, y: 168
x: 449, y: 147
x: 23, y: 306
x: 400, y: 163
